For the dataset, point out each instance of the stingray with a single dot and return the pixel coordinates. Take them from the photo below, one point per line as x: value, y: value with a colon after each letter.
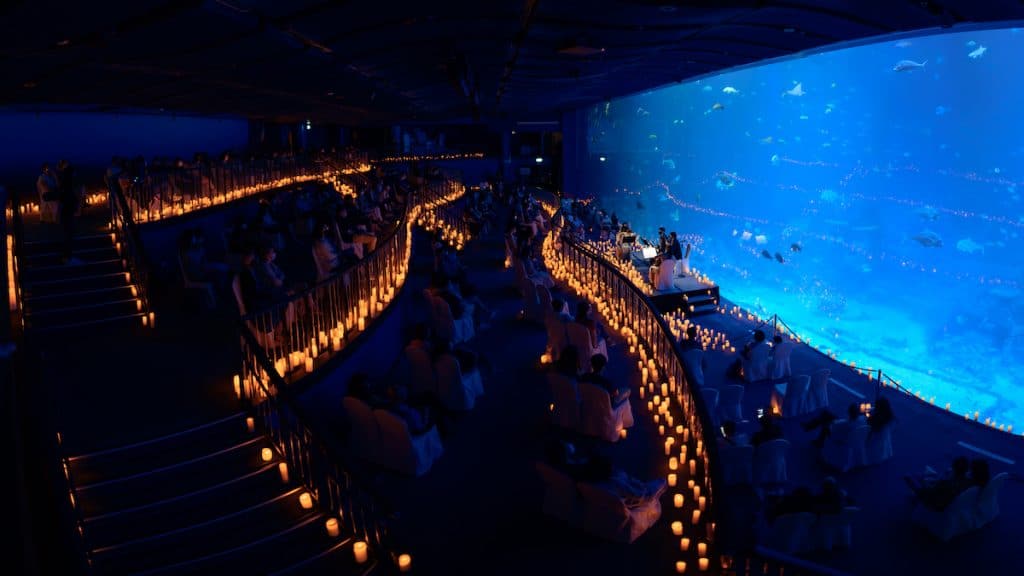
x: 779, y: 258
x: 766, y: 254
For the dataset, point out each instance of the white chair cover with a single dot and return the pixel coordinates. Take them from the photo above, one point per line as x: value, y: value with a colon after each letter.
x: 566, y: 398
x: 457, y: 390
x: 737, y: 465
x: 793, y: 395
x: 817, y: 396
x: 400, y: 450
x: 955, y: 519
x: 730, y: 403
x: 666, y: 273
x: 557, y: 338
x: 836, y: 530
x: 780, y: 360
x: 987, y: 506
x: 421, y: 376
x: 364, y: 434
x: 770, y: 467
x: 560, y: 497
x: 790, y: 533
x: 597, y: 418
x: 605, y: 514
x: 579, y: 337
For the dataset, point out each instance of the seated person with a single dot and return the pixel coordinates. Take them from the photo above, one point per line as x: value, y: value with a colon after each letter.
x: 753, y: 355
x: 832, y: 499
x: 390, y: 398
x: 467, y: 359
x: 826, y: 421
x: 881, y: 415
x: 618, y: 393
x: 937, y: 492
x: 326, y: 254
x: 534, y: 271
x: 482, y: 313
x: 584, y: 315
x: 770, y: 430
x: 730, y: 437
x: 598, y: 470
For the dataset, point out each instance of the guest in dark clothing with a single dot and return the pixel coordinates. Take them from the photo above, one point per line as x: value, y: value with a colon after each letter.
x: 800, y: 499
x: 832, y: 499
x: 770, y: 430
x: 980, y: 473
x: 617, y: 393
x: 881, y: 415
x: 691, y: 342
x: 938, y: 493
x: 390, y: 398
x: 823, y: 422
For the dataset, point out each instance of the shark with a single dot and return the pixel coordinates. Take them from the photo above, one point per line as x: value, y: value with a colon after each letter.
x: 977, y: 52
x: 908, y: 65
x: 797, y: 90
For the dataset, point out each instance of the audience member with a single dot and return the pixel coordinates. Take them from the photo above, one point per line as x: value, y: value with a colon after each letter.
x: 598, y: 470
x: 617, y: 393
x: 769, y: 430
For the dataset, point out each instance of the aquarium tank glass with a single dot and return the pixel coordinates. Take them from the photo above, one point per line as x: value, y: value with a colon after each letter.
x: 869, y: 196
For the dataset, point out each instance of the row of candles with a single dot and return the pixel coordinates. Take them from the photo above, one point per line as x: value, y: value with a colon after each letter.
x: 12, y: 275
x: 330, y: 338
x: 710, y: 339
x: 684, y: 451
x: 360, y: 549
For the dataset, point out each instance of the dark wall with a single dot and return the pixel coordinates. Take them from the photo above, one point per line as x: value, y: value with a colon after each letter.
x: 90, y: 140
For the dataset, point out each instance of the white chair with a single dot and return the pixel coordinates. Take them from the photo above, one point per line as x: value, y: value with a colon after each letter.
x: 364, y: 433
x: 987, y: 506
x: 780, y: 360
x: 730, y: 403
x: 666, y: 274
x: 561, y: 499
x: 790, y: 533
x: 557, y: 338
x: 817, y: 395
x: 531, y: 305
x: 836, y: 530
x: 606, y: 515
x: 402, y: 451
x: 770, y: 464
x: 566, y: 399
x: 879, y: 446
x: 737, y: 465
x: 579, y: 337
x: 457, y: 390
x: 598, y: 417
x: 791, y: 397
x: 420, y: 371
x: 845, y: 448
x: 953, y: 520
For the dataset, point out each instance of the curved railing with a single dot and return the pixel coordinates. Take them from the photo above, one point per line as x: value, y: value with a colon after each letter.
x: 306, y: 330
x: 346, y: 304
x: 163, y: 194
x: 128, y: 242
x: 677, y: 408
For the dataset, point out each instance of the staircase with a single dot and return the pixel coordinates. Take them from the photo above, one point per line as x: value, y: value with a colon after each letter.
x: 58, y: 296
x: 202, y: 501
x: 700, y: 302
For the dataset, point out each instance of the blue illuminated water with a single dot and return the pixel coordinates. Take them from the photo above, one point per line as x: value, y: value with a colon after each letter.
x: 877, y: 211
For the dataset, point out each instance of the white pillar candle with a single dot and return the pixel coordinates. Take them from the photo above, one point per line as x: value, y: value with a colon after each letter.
x: 684, y: 544
x: 306, y: 500
x: 680, y: 567
x: 701, y: 502
x: 672, y: 480
x: 702, y: 549
x: 267, y: 454
x: 250, y: 424
x: 696, y: 516
x: 359, y: 551
x: 693, y: 466
x: 677, y: 500
x: 702, y: 563
x: 332, y: 527
x: 404, y: 563
x: 282, y: 469
x: 677, y: 528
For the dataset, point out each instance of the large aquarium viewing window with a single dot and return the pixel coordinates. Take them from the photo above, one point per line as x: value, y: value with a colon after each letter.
x: 869, y: 196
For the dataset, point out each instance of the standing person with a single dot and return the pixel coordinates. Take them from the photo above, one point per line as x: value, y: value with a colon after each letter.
x: 68, y: 206
x: 675, y: 251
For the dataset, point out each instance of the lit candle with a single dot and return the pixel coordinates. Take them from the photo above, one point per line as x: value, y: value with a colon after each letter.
x: 267, y: 454
x: 622, y: 433
x: 680, y: 567
x: 282, y: 469
x: 702, y: 549
x: 696, y: 516
x: 661, y: 430
x: 404, y: 563
x: 250, y: 424
x: 702, y: 563
x: 693, y: 466
x: 696, y: 491
x: 359, y: 551
x: 672, y: 480
x: 701, y: 502
x: 362, y: 323
x: 238, y: 386
x: 673, y: 463
x: 678, y: 500
x: 306, y: 500
x: 332, y: 527
x: 684, y: 544
x: 677, y: 528
x: 309, y: 368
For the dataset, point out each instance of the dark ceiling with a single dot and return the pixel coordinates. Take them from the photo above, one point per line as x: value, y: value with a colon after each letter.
x: 369, y: 62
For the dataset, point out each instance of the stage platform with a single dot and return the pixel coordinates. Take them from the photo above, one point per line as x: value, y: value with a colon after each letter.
x: 687, y: 293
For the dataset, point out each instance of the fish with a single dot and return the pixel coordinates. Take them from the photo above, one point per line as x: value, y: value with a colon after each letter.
x: 797, y: 90
x: 795, y: 247
x: 971, y: 43
x: 977, y: 52
x: 908, y: 65
x: 927, y: 213
x: 766, y: 254
x: 968, y: 246
x: 804, y: 117
x: 779, y: 258
x: 929, y: 239
x: 761, y: 239
x: 718, y: 106
x: 746, y: 235
x: 774, y: 160
x: 730, y: 90
x: 707, y: 89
